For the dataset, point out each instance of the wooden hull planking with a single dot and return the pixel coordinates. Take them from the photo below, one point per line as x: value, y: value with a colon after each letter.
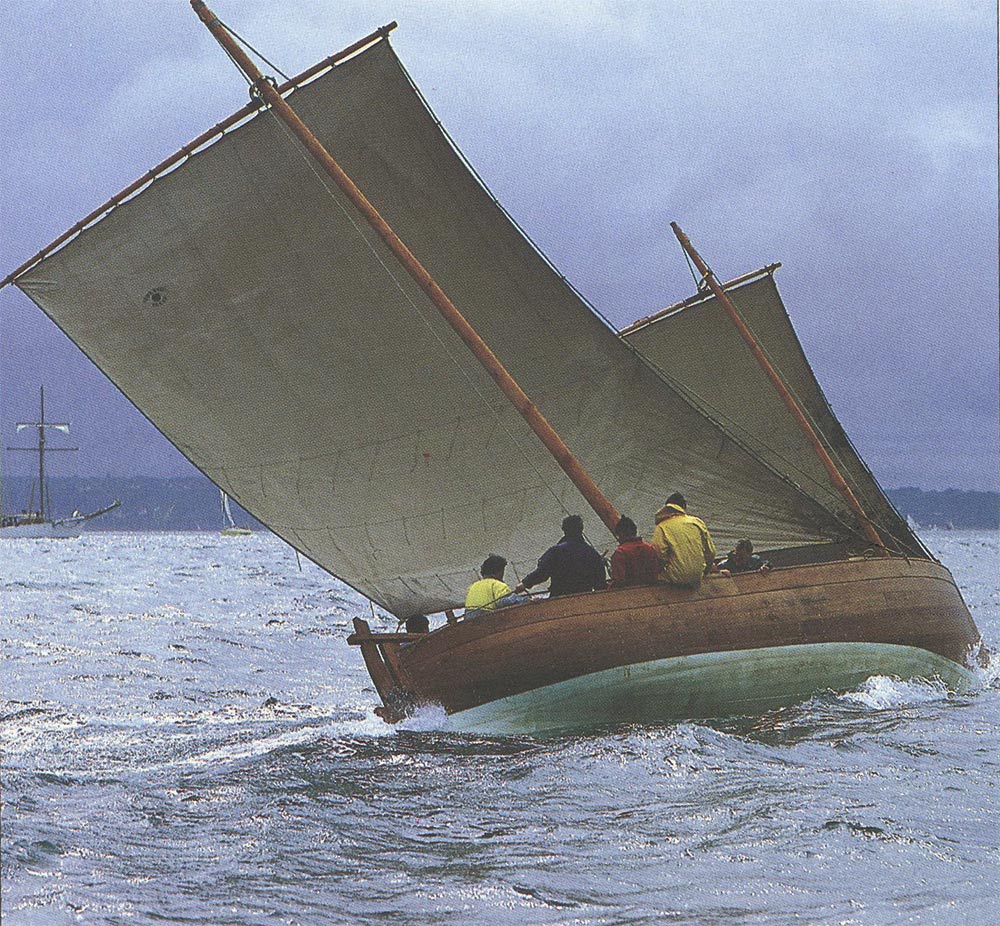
x: 886, y: 605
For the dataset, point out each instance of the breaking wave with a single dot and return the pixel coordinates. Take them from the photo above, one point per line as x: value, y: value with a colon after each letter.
x: 882, y: 692
x: 427, y: 718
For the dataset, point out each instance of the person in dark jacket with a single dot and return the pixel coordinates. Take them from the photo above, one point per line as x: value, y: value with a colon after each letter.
x: 573, y: 565
x: 635, y: 562
x: 743, y: 559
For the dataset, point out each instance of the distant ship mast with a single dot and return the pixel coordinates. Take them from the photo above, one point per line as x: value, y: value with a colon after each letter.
x: 44, y: 502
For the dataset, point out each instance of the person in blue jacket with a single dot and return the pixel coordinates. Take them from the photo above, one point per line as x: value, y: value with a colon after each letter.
x: 573, y: 565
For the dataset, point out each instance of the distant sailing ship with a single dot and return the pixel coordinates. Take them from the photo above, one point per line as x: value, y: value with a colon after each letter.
x: 426, y: 403
x: 229, y: 528
x: 38, y: 522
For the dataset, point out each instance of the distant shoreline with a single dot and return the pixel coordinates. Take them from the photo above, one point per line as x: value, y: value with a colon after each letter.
x: 191, y: 504
x: 92, y: 528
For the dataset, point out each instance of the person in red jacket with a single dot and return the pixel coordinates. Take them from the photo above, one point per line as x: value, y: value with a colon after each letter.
x: 635, y: 562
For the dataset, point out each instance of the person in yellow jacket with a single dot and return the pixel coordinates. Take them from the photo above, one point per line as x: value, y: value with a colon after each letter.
x: 490, y: 592
x: 686, y: 548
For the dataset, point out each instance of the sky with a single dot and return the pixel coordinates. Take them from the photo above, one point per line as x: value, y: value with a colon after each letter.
x: 855, y: 142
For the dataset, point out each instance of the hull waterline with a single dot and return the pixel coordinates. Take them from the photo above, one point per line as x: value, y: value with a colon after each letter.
x: 738, y: 645
x: 45, y: 530
x: 705, y: 685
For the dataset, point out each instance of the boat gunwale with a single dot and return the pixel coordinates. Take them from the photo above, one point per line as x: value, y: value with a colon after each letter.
x: 540, y: 611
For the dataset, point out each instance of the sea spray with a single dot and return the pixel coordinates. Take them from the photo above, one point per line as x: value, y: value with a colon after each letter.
x: 882, y: 692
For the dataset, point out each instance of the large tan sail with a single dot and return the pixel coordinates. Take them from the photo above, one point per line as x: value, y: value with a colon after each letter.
x: 739, y: 394
x: 246, y: 309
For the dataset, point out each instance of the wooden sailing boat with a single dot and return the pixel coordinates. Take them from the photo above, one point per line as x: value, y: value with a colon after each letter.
x: 432, y: 401
x: 38, y: 522
x: 229, y: 527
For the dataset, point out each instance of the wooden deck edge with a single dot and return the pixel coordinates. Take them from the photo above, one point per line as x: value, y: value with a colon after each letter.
x: 359, y: 638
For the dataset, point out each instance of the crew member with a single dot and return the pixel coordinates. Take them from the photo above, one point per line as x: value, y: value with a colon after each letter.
x: 573, y: 565
x: 743, y: 559
x: 489, y: 592
x: 684, y: 545
x: 635, y: 562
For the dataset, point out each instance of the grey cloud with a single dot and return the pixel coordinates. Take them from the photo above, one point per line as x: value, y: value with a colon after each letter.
x: 856, y: 142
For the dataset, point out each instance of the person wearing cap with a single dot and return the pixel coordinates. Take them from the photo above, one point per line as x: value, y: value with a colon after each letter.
x: 743, y: 559
x: 684, y: 545
x: 490, y: 592
x: 635, y: 562
x: 573, y: 565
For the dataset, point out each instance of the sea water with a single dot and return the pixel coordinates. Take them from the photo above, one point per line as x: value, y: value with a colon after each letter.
x: 187, y: 738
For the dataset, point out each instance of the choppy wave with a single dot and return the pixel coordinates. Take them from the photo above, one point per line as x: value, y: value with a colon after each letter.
x: 204, y: 751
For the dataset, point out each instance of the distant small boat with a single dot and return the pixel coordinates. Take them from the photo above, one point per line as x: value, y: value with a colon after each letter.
x: 38, y: 523
x: 229, y: 528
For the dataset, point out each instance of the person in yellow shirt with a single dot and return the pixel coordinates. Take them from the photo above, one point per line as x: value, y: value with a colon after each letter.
x: 684, y: 544
x: 490, y: 592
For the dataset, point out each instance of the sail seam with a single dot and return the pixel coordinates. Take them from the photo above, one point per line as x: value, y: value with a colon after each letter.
x: 462, y: 369
x: 641, y: 358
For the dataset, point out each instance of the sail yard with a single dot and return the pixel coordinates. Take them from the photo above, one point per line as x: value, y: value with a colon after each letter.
x: 244, y: 306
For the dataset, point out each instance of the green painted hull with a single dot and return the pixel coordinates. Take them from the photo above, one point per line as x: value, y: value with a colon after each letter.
x: 722, y: 684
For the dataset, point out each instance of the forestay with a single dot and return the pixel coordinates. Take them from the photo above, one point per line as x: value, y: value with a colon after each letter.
x: 738, y: 393
x: 244, y: 308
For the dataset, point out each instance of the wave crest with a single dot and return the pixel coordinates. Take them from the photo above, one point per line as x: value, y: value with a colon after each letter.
x: 881, y: 692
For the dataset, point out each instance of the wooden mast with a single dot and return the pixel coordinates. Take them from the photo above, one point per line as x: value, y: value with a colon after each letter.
x: 536, y: 421
x: 786, y: 396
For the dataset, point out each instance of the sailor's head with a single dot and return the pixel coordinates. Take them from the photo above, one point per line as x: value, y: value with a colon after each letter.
x: 669, y: 510
x: 743, y: 550
x: 572, y: 526
x: 626, y: 530
x: 679, y: 500
x: 493, y: 567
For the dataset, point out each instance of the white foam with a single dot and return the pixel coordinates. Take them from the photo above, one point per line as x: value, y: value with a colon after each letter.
x: 985, y: 665
x: 365, y: 727
x: 251, y: 749
x: 881, y: 692
x: 427, y: 718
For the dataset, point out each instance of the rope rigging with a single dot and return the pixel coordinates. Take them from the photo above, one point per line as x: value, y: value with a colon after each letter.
x: 463, y: 368
x: 334, y: 195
